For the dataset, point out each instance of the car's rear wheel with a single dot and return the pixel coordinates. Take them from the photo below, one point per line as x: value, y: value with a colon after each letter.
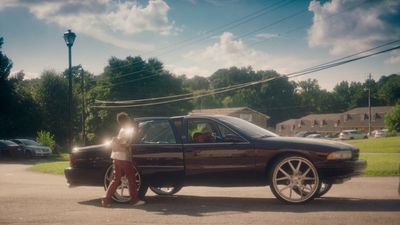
x: 166, y: 190
x: 294, y: 179
x: 122, y: 195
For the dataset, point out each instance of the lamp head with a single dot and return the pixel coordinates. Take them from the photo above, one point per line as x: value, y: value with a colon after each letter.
x: 69, y: 38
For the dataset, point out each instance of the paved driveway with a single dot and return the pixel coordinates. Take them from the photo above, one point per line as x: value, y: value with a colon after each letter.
x: 33, y: 198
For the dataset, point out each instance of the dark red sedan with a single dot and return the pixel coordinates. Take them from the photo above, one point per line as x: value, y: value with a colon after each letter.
x: 220, y: 151
x: 9, y: 148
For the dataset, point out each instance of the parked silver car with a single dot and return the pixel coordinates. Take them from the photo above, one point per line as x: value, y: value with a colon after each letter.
x: 352, y: 134
x: 33, y: 149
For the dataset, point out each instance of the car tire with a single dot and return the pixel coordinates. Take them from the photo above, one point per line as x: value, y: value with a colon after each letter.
x: 294, y: 172
x: 324, y: 188
x: 166, y: 191
x: 119, y: 195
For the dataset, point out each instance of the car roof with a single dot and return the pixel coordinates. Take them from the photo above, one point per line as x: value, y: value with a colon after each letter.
x: 179, y: 117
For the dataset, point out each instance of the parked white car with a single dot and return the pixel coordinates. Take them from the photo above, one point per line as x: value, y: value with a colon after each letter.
x: 380, y: 133
x: 32, y: 148
x: 352, y: 134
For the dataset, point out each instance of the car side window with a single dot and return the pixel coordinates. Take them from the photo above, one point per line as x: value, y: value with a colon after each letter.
x: 228, y: 135
x: 202, y: 131
x: 155, y: 132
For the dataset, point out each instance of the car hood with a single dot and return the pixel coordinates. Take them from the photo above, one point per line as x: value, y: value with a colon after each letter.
x: 303, y: 144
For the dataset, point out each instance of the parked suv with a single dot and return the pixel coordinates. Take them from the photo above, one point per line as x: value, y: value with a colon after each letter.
x: 33, y: 149
x: 352, y: 134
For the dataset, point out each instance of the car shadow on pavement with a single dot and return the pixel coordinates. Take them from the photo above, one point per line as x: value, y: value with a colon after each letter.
x: 202, y: 206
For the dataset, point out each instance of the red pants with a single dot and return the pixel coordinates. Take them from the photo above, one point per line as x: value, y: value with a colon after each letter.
x: 121, y: 168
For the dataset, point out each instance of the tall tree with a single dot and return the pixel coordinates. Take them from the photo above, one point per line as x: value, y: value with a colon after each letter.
x: 51, y: 96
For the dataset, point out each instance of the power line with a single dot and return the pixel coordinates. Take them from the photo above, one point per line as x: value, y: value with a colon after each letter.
x: 291, y: 75
x: 319, y: 19
x: 212, y: 32
x: 218, y: 89
x: 262, y: 28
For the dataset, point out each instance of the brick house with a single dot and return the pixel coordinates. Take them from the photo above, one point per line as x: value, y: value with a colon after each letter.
x: 245, y: 113
x: 356, y: 118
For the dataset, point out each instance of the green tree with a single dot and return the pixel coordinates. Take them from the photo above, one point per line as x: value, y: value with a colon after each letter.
x: 133, y: 78
x: 389, y: 89
x: 18, y: 111
x: 392, y: 119
x: 51, y: 96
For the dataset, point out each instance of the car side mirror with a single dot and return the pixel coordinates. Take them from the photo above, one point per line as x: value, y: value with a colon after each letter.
x: 232, y: 138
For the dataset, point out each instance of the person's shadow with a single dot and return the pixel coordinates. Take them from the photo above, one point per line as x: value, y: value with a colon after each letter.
x: 199, y: 206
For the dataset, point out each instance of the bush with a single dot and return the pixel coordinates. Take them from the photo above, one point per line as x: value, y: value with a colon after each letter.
x: 392, y: 119
x: 46, y: 138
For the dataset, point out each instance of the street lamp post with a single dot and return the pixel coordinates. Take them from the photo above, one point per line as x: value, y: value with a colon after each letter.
x: 83, y: 108
x: 69, y: 38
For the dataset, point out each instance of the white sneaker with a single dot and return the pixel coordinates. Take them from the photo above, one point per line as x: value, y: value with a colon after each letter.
x: 139, y: 203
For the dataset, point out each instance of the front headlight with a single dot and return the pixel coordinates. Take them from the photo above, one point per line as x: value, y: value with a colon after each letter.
x: 339, y: 155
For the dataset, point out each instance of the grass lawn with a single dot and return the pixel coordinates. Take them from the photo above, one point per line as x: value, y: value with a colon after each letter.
x: 381, y: 164
x: 56, y: 167
x: 382, y: 155
x: 378, y: 145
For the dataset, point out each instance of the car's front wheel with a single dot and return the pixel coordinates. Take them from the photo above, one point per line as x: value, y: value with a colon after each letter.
x: 122, y: 195
x: 324, y: 188
x: 166, y: 190
x: 294, y: 179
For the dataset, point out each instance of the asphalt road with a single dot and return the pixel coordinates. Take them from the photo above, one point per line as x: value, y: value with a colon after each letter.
x: 34, y: 198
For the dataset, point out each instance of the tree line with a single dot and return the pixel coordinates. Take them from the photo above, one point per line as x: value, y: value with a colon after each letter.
x: 30, y: 105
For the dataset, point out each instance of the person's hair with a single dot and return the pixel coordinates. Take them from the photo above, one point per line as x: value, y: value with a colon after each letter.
x: 122, y: 118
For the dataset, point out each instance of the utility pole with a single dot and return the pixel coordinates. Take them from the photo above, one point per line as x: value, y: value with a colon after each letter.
x: 369, y: 105
x: 83, y: 108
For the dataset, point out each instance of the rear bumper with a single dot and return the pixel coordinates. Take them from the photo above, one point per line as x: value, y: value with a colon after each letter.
x: 339, y: 171
x: 84, y: 176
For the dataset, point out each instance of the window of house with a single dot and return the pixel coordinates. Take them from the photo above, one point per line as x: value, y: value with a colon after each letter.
x: 246, y: 116
x: 337, y: 123
x: 364, y: 117
x: 347, y: 117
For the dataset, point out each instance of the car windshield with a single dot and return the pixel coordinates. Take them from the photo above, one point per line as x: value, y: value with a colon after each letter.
x: 9, y: 143
x: 28, y: 142
x: 248, y: 128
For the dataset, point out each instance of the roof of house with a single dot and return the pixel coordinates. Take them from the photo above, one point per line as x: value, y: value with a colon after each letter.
x: 290, y: 121
x: 328, y: 116
x: 224, y: 111
x: 375, y: 109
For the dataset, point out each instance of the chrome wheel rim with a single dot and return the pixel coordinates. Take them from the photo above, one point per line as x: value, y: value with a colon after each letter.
x: 163, y: 190
x: 122, y: 192
x: 295, y: 179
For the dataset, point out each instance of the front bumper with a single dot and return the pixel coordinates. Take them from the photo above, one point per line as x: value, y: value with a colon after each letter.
x: 41, y: 154
x: 339, y: 171
x: 84, y: 176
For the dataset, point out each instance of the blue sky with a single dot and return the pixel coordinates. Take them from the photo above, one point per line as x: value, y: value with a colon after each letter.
x: 284, y: 35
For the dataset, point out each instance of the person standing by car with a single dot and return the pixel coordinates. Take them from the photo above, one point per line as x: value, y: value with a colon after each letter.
x: 122, y: 160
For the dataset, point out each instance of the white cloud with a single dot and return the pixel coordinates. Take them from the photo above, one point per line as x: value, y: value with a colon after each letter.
x: 394, y: 58
x: 189, y: 71
x: 104, y: 19
x: 230, y: 51
x: 346, y: 26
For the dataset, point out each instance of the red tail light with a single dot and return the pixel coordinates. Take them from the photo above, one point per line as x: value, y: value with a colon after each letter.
x: 72, y: 159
